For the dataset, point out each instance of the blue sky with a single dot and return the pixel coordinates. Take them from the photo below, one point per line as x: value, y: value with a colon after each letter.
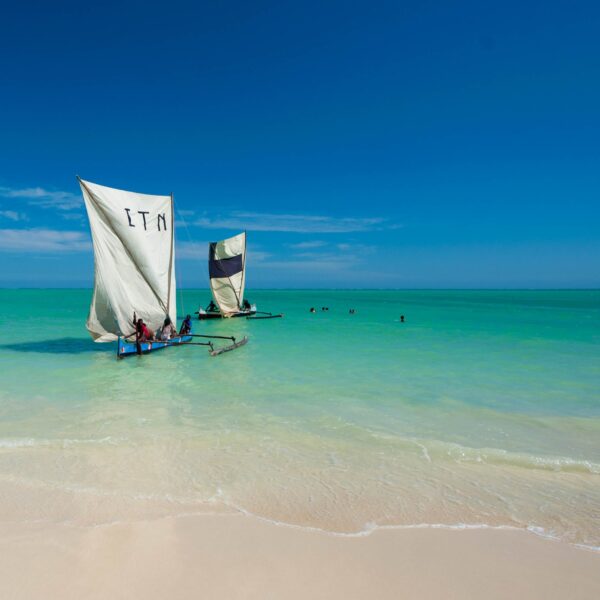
x: 361, y: 144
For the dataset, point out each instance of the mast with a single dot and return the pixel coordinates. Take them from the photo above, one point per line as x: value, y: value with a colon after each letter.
x: 171, y: 255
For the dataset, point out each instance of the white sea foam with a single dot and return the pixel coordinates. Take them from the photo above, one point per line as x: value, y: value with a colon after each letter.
x: 436, y: 449
x: 499, y: 456
x: 13, y: 444
x: 19, y: 443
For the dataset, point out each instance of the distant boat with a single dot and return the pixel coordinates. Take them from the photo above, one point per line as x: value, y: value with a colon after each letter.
x: 134, y: 268
x: 227, y: 273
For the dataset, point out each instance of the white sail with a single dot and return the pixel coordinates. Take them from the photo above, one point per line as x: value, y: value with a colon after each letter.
x: 134, y: 262
x: 227, y: 270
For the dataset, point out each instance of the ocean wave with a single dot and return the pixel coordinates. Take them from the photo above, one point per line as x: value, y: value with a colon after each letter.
x: 433, y: 450
x: 497, y: 456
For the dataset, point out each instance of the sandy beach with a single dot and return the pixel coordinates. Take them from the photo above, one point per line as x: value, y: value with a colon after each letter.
x: 225, y: 556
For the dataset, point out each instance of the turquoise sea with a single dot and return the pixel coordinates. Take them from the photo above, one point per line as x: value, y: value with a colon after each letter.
x: 482, y: 409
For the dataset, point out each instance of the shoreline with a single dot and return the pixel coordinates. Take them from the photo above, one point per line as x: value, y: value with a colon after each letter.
x: 371, y: 528
x: 92, y: 504
x: 239, y: 556
x: 78, y: 508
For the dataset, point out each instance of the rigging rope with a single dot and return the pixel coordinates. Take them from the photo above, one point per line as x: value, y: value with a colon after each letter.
x: 193, y: 245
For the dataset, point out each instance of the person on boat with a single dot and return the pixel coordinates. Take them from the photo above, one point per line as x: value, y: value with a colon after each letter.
x: 313, y: 309
x: 142, y: 332
x: 168, y: 330
x: 401, y: 318
x: 246, y: 305
x: 212, y: 307
x: 186, y: 326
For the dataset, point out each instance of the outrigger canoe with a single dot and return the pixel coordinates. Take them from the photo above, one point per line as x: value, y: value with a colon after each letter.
x: 133, y: 237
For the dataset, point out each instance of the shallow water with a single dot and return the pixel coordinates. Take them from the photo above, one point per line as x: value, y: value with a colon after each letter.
x: 482, y: 409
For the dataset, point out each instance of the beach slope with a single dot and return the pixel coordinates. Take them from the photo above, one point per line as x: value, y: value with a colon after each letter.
x: 229, y: 556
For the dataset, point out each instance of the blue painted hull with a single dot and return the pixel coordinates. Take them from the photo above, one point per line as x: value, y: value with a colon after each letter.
x: 125, y: 349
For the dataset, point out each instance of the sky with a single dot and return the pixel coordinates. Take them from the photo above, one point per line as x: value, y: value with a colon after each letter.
x: 361, y: 144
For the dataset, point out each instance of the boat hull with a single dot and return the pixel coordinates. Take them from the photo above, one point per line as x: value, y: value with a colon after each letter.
x: 203, y: 315
x: 125, y: 349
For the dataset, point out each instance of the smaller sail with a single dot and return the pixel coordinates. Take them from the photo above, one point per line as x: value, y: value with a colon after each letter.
x: 227, y: 271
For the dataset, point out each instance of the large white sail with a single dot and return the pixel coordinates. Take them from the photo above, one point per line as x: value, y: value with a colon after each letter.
x: 134, y: 261
x: 227, y: 271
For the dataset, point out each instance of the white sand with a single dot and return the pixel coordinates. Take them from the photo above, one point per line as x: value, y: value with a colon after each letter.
x: 235, y: 557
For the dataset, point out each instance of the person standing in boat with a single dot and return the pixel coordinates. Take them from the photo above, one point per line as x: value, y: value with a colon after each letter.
x: 186, y: 326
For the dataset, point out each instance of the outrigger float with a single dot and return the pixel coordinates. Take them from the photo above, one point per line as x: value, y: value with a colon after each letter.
x: 133, y: 238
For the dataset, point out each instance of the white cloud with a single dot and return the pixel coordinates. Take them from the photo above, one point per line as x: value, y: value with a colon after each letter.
x: 344, y: 252
x: 292, y: 223
x: 45, y: 198
x: 43, y: 240
x: 13, y: 215
x: 310, y: 244
x: 347, y: 259
x: 199, y: 251
x: 257, y: 256
x: 192, y: 250
x: 314, y: 264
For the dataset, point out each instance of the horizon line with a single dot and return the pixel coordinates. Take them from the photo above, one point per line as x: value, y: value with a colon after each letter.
x: 352, y: 289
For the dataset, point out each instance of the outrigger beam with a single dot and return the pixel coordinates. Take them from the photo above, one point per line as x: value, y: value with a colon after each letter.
x: 220, y: 337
